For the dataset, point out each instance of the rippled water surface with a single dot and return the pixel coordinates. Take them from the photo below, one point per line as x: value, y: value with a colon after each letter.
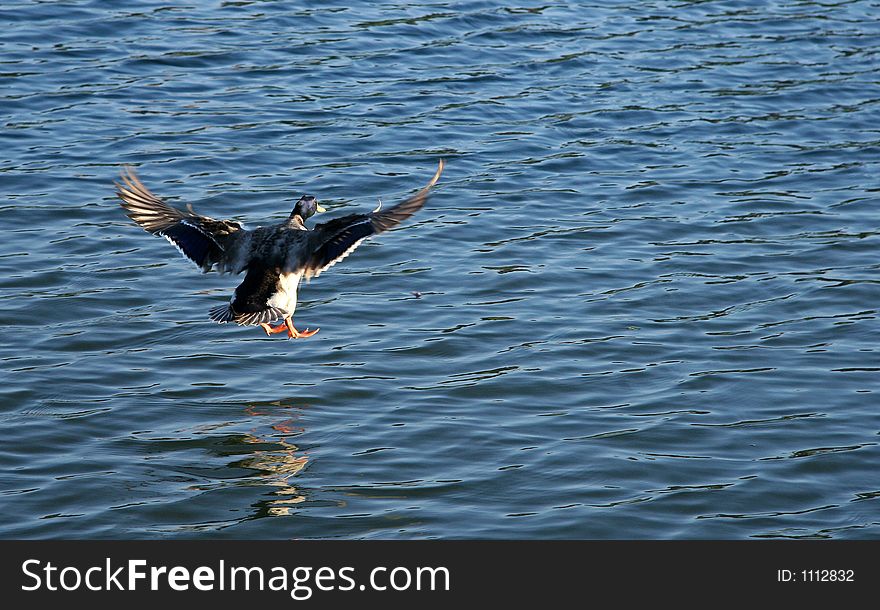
x: 648, y: 277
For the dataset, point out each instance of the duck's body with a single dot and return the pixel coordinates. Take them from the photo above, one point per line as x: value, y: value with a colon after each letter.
x: 276, y: 257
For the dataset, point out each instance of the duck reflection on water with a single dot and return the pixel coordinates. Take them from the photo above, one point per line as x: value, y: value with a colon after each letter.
x: 276, y: 467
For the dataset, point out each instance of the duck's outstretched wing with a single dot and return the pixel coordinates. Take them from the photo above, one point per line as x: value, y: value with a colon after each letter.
x: 332, y: 241
x: 250, y: 305
x: 201, y: 239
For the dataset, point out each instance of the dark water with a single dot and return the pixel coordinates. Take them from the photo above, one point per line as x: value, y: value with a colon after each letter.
x: 649, y: 275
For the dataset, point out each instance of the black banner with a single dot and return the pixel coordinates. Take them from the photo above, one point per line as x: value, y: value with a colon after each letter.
x: 110, y: 573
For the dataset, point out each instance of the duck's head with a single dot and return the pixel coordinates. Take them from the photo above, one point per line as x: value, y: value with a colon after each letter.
x: 306, y: 207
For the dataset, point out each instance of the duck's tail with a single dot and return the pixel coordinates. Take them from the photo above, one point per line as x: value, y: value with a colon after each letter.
x: 225, y: 313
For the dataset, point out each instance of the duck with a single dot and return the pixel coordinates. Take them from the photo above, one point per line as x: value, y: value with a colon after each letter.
x: 274, y: 258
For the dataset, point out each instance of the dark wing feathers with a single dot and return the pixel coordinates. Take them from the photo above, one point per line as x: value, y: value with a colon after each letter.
x: 250, y: 305
x: 199, y: 238
x: 143, y: 207
x: 334, y: 240
x: 191, y: 242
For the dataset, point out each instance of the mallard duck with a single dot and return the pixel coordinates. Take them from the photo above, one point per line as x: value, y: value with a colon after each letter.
x: 275, y: 257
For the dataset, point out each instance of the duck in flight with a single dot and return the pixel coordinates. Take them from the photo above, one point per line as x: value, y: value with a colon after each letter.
x: 275, y: 257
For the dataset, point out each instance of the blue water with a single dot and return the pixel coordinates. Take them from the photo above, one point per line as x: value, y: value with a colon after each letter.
x: 649, y: 277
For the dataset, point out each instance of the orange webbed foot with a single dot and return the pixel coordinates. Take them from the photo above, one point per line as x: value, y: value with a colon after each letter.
x: 293, y: 333
x: 271, y: 330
